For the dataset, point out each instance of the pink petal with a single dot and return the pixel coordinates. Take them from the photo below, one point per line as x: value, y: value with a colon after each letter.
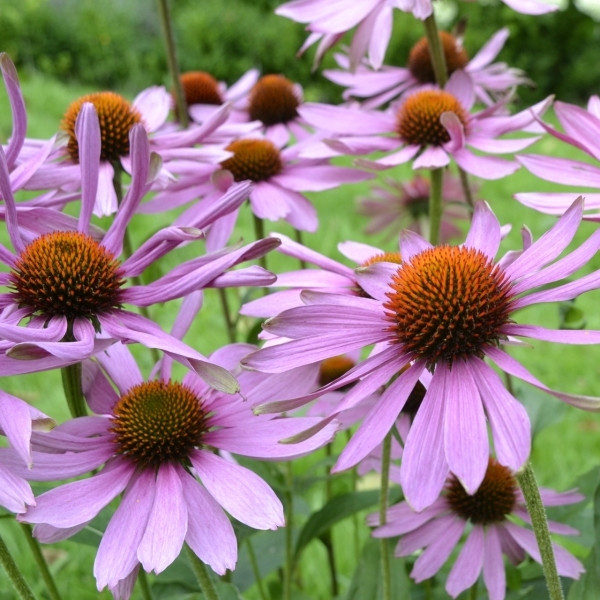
x: 242, y: 493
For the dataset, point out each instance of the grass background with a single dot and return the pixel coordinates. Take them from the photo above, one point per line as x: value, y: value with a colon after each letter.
x: 567, y: 443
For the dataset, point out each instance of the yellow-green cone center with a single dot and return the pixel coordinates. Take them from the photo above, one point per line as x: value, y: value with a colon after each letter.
x: 158, y: 422
x: 66, y: 273
x: 116, y: 117
x: 254, y: 159
x: 200, y: 87
x: 419, y: 59
x: 448, y: 302
x: 273, y: 100
x: 418, y: 120
x: 491, y: 503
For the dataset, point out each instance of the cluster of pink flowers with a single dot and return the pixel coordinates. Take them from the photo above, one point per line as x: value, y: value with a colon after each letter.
x: 410, y: 341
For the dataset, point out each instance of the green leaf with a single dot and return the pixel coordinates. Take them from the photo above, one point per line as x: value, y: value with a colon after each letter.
x: 587, y: 587
x: 366, y: 582
x: 337, y: 509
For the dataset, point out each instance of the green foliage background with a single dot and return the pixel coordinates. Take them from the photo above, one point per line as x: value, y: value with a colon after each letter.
x: 121, y: 45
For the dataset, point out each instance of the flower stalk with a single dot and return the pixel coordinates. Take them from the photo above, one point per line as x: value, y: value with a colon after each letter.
x: 209, y: 591
x: 14, y: 574
x: 435, y: 205
x: 41, y: 563
x: 165, y: 17
x: 383, y: 506
x: 539, y: 522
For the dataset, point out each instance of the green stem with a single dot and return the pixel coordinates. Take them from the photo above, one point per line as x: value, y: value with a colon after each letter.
x: 383, y: 505
x: 229, y: 322
x: 255, y: 569
x: 327, y: 538
x: 71, y: 380
x: 40, y: 561
x: 436, y: 51
x: 289, y: 532
x: 14, y: 574
x: 537, y: 513
x: 202, y: 577
x: 165, y: 17
x: 298, y: 235
x: 466, y: 187
x: 435, y: 205
x: 144, y: 586
x: 259, y: 234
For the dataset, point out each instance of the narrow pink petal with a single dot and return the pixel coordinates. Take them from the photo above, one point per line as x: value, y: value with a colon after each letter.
x: 167, y: 523
x: 550, y: 245
x: 513, y: 367
x: 437, y: 553
x: 380, y: 419
x: 154, y: 103
x: 494, y: 575
x: 80, y: 501
x: 530, y: 7
x: 424, y: 468
x: 116, y: 556
x: 488, y: 52
x: 468, y: 565
x: 509, y: 422
x: 343, y: 120
x: 15, y: 423
x: 210, y: 534
x: 486, y: 167
x: 412, y: 243
x: 562, y: 170
x: 242, y: 493
x: 432, y: 157
x: 455, y: 129
x: 484, y: 233
x: 465, y: 433
x: 566, y: 564
x: 15, y: 493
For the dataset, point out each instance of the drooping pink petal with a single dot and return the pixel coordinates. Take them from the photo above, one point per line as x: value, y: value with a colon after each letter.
x: 484, y: 233
x: 167, y: 523
x: 494, y: 574
x: 79, y: 501
x: 424, y: 468
x: 242, y: 493
x: 380, y: 419
x: 436, y: 553
x: 116, y: 556
x: 210, y: 534
x: 468, y: 565
x: 465, y: 433
x: 509, y: 422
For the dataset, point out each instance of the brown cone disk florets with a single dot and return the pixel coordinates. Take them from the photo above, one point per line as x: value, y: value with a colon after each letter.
x: 158, y: 422
x: 448, y: 302
x: 491, y: 503
x: 334, y: 367
x: 116, y: 117
x: 200, y: 87
x: 418, y: 120
x: 67, y: 273
x: 419, y: 59
x: 253, y: 159
x: 273, y: 100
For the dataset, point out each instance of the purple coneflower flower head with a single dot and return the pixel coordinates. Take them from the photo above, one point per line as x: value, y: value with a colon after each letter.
x: 490, y: 81
x: 329, y: 20
x: 429, y: 127
x: 494, y: 519
x: 117, y: 116
x: 274, y: 102
x: 159, y: 443
x: 445, y: 309
x: 66, y: 286
x: 394, y: 205
x: 17, y: 420
x: 581, y: 130
x: 203, y: 93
